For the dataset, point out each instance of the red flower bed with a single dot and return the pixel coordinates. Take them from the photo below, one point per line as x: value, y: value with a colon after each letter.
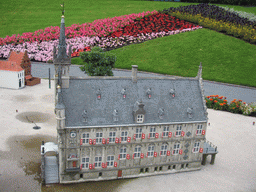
x: 154, y: 23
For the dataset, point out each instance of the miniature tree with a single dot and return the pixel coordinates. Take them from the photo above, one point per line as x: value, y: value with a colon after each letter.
x: 98, y: 62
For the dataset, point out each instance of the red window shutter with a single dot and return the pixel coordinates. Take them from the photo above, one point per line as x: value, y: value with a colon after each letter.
x: 196, y: 132
x: 201, y: 150
x: 148, y: 135
x: 175, y: 133
x: 180, y: 152
x: 103, y: 140
x: 134, y: 136
x: 143, y: 136
x: 168, y: 153
x: 106, y: 164
x: 93, y: 165
x: 156, y: 135
x: 81, y: 166
x: 117, y: 141
x: 133, y: 156
x: 115, y: 164
x: 103, y: 165
x: 90, y: 166
x: 160, y: 153
x: 81, y: 141
x: 147, y: 154
x: 94, y: 141
x: 162, y: 134
x: 155, y: 154
x: 142, y: 155
x: 182, y: 133
x: 203, y: 132
x: 90, y: 141
x: 119, y: 157
x: 120, y: 140
x: 170, y: 134
x: 108, y: 141
x: 129, y: 139
x: 128, y: 156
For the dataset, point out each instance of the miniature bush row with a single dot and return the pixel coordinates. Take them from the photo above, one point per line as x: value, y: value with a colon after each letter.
x: 235, y: 106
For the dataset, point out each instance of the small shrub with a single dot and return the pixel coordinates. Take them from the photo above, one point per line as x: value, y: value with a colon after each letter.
x: 98, y: 62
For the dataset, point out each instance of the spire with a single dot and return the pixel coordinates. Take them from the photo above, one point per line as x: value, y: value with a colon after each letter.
x: 199, y: 73
x: 62, y: 47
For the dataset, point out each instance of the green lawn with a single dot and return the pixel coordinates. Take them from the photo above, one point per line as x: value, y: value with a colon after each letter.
x: 224, y: 58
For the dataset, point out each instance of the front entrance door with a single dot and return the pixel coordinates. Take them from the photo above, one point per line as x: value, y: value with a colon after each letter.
x: 19, y: 82
x: 119, y: 173
x: 74, y: 164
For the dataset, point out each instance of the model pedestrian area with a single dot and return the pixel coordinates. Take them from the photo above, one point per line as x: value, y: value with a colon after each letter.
x: 124, y: 127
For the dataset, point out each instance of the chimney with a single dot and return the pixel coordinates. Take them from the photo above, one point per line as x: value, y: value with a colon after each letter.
x: 134, y: 73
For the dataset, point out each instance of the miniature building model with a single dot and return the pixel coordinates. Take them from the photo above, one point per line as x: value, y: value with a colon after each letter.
x: 123, y: 127
x: 17, y: 62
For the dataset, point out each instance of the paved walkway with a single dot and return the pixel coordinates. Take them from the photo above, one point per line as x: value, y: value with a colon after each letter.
x: 247, y: 94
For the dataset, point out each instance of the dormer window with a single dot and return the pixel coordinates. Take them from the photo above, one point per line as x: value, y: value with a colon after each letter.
x: 99, y: 94
x: 161, y: 113
x: 123, y: 93
x: 84, y: 115
x: 172, y: 92
x: 140, y: 118
x: 149, y: 93
x: 189, y: 111
x: 115, y: 115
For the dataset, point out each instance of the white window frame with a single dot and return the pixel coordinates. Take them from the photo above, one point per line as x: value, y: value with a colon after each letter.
x: 152, y: 132
x: 178, y: 130
x: 85, y: 138
x: 85, y: 162
x: 137, y: 151
x: 122, y: 152
x: 110, y: 160
x: 164, y: 150
x: 176, y: 148
x: 199, y: 129
x: 98, y: 161
x: 151, y: 150
x: 138, y: 133
x: 99, y: 137
x: 166, y: 131
x: 196, y: 147
x: 124, y: 135
x: 112, y: 136
x: 140, y: 118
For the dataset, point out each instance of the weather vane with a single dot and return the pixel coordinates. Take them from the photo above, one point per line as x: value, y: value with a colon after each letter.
x: 62, y: 5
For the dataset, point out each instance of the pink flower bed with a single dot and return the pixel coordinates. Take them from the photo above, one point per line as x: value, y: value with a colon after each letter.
x: 106, y: 33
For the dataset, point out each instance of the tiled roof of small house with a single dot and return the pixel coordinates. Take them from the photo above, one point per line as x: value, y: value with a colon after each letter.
x: 16, y: 57
x: 82, y: 96
x: 10, y: 66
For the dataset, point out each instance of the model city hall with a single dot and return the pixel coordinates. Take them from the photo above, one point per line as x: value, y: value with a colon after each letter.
x: 123, y: 127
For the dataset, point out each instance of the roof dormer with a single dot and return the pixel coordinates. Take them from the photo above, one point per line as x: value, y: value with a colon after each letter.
x: 115, y: 115
x: 149, y: 93
x: 98, y: 94
x: 139, y: 112
x: 189, y: 112
x: 172, y: 93
x: 161, y: 113
x: 123, y: 92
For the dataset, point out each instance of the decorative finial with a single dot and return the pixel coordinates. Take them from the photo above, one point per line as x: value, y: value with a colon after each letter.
x: 62, y: 5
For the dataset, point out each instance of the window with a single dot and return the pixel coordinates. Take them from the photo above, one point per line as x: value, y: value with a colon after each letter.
x: 196, y: 147
x: 140, y: 118
x: 85, y: 162
x: 112, y: 136
x: 178, y: 130
x: 151, y: 149
x: 137, y: 151
x: 124, y: 135
x: 138, y: 133
x: 166, y: 131
x: 98, y: 137
x: 152, y: 133
x: 123, y: 153
x: 176, y: 149
x: 163, y: 149
x: 199, y: 129
x: 98, y: 161
x: 110, y: 161
x: 85, y: 138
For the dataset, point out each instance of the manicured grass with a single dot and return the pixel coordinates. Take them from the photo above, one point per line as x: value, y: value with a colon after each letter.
x: 224, y: 58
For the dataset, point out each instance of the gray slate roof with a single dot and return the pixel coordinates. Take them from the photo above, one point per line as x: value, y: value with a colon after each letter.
x: 82, y: 95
